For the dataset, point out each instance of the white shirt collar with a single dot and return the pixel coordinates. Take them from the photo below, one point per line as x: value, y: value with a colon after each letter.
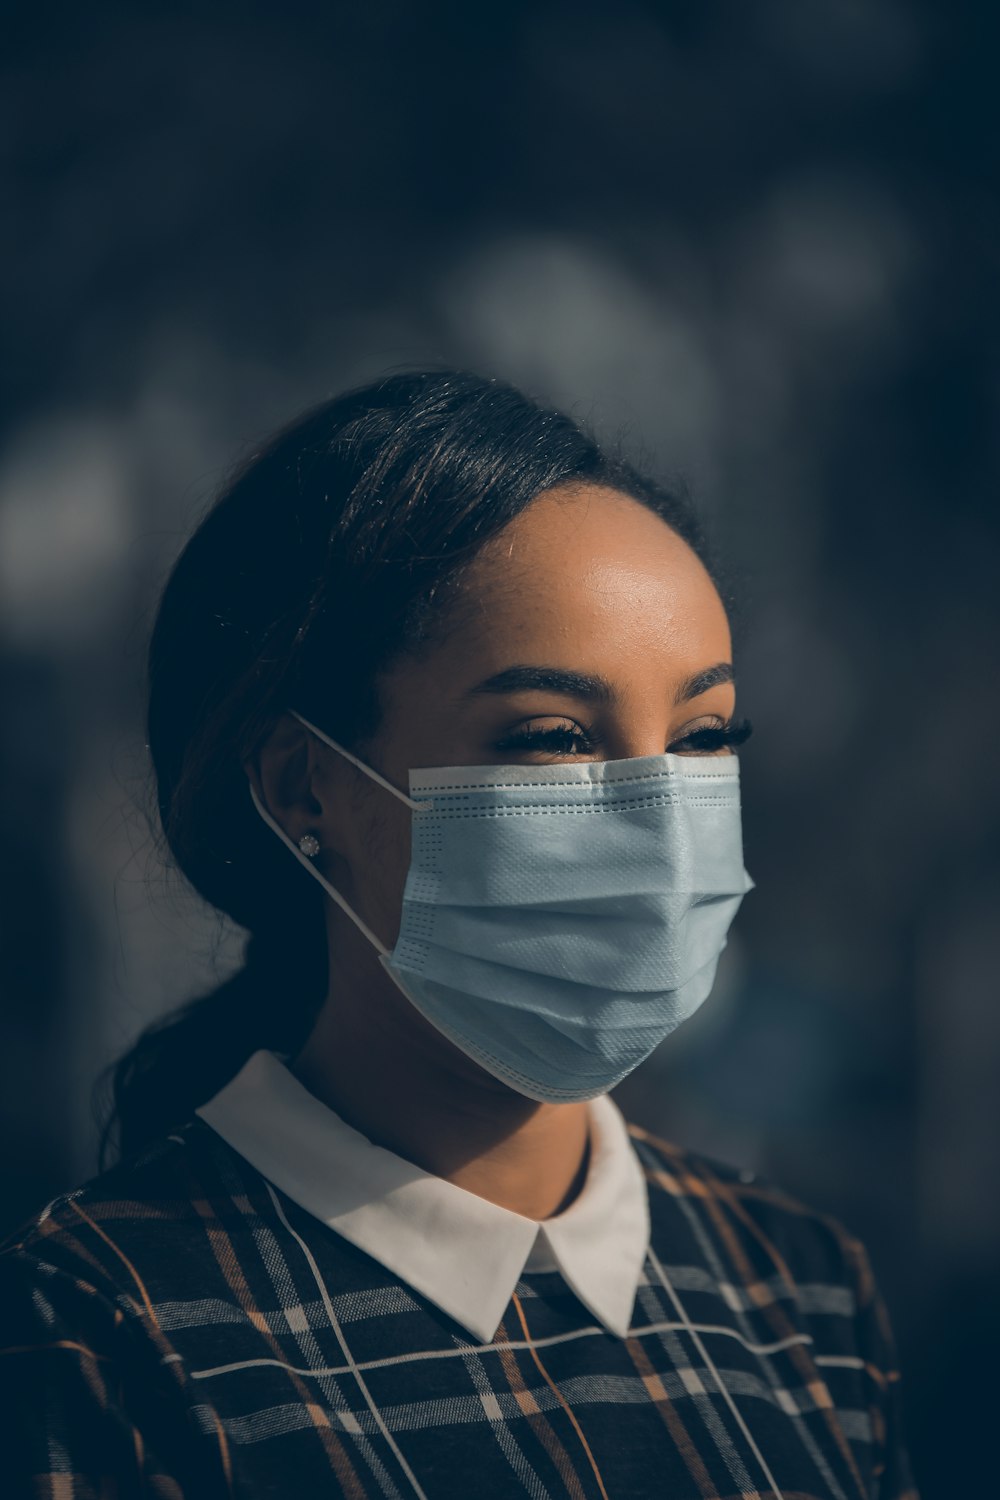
x: 458, y: 1250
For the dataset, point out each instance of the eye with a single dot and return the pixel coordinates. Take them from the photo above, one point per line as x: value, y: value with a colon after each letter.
x: 563, y: 738
x: 712, y: 739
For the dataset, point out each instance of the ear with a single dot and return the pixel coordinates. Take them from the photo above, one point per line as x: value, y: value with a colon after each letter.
x: 287, y: 775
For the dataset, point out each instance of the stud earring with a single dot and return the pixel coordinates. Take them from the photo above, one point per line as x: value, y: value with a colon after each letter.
x: 309, y: 844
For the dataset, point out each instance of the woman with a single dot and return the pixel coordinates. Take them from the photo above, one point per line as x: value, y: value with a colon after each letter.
x: 442, y: 711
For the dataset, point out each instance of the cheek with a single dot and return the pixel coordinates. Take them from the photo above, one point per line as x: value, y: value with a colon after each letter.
x: 383, y: 856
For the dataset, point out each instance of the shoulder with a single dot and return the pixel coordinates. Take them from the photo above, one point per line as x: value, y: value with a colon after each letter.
x: 145, y: 1212
x: 96, y: 1396
x: 756, y: 1223
x: 752, y: 1258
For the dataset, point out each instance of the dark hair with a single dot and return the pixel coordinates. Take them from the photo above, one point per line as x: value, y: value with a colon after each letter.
x: 328, y: 554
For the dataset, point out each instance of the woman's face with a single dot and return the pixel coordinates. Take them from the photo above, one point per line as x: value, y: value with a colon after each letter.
x: 586, y: 630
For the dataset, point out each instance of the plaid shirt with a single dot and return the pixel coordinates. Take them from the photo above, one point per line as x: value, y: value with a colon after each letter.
x: 178, y: 1328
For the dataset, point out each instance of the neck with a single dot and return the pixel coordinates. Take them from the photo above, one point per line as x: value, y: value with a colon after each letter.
x: 388, y: 1073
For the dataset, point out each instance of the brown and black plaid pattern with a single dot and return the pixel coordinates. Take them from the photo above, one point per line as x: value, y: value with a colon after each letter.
x: 179, y: 1328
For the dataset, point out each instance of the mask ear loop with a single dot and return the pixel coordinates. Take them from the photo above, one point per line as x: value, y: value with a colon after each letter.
x: 334, y: 894
x: 368, y: 770
x: 276, y: 827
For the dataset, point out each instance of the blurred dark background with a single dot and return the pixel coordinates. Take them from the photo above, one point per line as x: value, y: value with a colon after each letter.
x: 760, y: 241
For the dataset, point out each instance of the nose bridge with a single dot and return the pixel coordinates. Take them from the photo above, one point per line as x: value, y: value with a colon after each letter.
x: 637, y: 724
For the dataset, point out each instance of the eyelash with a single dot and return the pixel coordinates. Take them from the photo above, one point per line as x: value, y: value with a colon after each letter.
x: 567, y: 741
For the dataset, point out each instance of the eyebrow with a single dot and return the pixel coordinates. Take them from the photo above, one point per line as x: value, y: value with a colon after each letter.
x: 595, y: 689
x: 700, y: 683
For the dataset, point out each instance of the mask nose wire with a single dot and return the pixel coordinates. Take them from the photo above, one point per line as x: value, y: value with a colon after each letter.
x: 710, y: 1364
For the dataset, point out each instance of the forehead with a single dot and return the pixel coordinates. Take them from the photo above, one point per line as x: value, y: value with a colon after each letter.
x: 586, y: 564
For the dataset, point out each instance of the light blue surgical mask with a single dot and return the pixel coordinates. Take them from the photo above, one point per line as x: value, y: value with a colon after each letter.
x: 559, y: 921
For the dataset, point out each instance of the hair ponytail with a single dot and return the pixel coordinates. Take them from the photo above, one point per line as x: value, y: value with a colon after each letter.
x: 332, y: 551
